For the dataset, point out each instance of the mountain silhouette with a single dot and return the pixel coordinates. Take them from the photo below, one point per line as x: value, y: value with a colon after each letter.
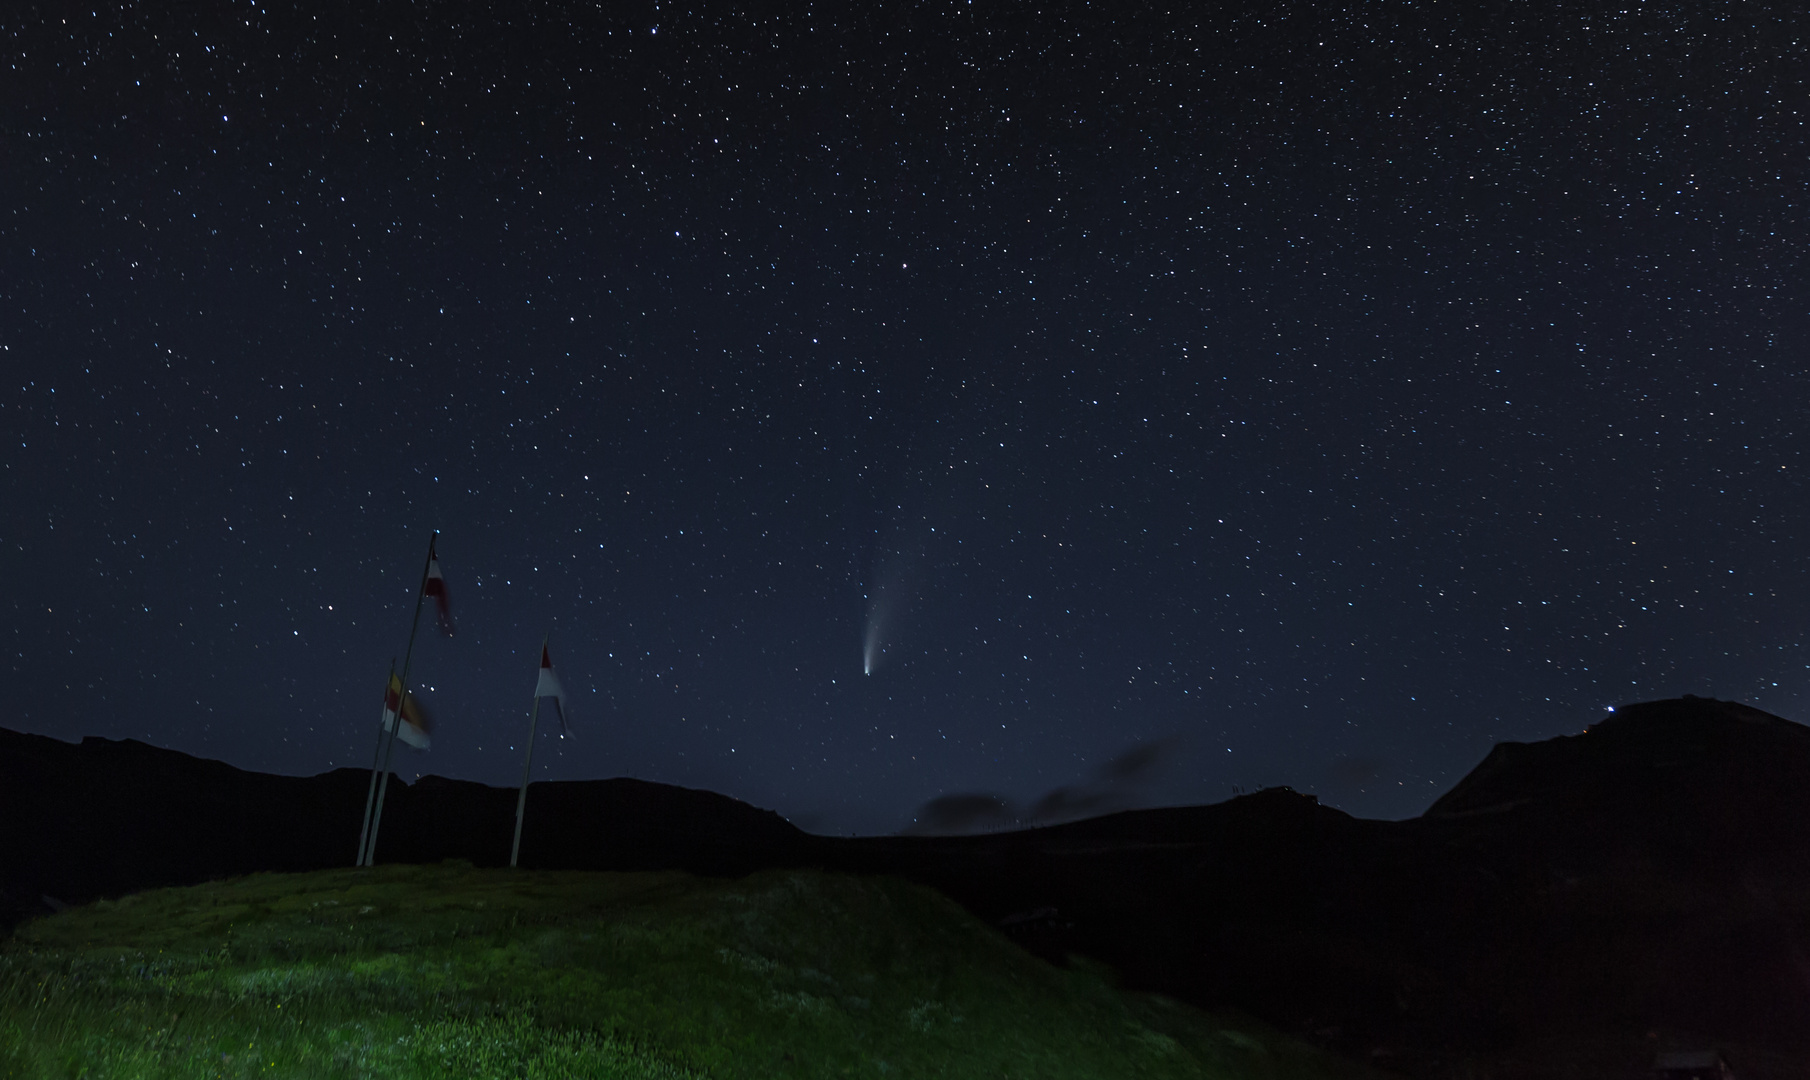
x: 1571, y: 907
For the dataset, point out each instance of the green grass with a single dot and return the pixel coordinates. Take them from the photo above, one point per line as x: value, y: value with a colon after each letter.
x: 449, y: 971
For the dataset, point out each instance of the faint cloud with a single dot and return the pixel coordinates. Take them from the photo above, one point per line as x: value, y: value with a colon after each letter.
x: 949, y: 815
x: 1117, y: 785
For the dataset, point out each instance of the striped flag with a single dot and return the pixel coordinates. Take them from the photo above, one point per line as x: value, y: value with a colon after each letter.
x: 434, y: 585
x: 548, y: 686
x: 415, y: 721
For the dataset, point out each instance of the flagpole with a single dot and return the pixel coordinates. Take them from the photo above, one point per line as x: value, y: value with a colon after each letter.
x: 521, y: 800
x: 364, y: 833
x: 383, y: 787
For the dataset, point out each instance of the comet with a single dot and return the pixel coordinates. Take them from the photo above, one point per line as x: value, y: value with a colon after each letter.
x: 886, y: 605
x: 875, y: 643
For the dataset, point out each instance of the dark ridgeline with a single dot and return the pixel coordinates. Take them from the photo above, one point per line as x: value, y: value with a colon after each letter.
x: 1563, y: 901
x: 104, y: 818
x: 1576, y: 905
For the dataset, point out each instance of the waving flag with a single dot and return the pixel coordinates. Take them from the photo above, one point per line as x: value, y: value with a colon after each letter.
x: 434, y: 585
x: 548, y: 686
x: 415, y: 721
x: 403, y: 717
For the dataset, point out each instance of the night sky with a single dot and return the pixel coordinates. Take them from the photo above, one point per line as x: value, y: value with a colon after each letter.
x: 1088, y: 405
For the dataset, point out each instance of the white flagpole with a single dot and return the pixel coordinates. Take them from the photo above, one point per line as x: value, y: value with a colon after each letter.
x: 521, y: 800
x: 383, y: 786
x: 364, y: 834
x: 402, y: 697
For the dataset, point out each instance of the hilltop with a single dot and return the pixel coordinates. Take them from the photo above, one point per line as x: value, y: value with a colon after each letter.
x: 451, y: 971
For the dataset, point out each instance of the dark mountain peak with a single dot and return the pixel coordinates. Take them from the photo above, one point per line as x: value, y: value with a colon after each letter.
x: 137, y: 753
x: 1716, y: 778
x: 1276, y: 815
x: 101, y: 760
x: 664, y: 813
x: 1691, y: 712
x: 102, y: 744
x: 1268, y: 811
x: 106, y: 816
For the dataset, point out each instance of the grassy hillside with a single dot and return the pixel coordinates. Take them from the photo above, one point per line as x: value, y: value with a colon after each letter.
x: 448, y: 971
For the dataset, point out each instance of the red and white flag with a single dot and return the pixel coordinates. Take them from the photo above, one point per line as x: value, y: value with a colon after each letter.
x: 548, y: 686
x: 435, y: 586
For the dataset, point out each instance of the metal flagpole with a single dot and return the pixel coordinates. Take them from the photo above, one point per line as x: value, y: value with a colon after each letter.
x: 364, y: 833
x: 383, y: 787
x: 521, y: 800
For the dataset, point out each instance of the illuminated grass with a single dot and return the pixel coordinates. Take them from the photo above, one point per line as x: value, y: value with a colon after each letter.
x: 447, y: 971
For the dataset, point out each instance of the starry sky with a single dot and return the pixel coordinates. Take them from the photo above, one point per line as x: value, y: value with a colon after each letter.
x: 1084, y: 405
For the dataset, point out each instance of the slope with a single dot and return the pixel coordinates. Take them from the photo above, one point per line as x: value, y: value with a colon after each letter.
x: 448, y: 971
